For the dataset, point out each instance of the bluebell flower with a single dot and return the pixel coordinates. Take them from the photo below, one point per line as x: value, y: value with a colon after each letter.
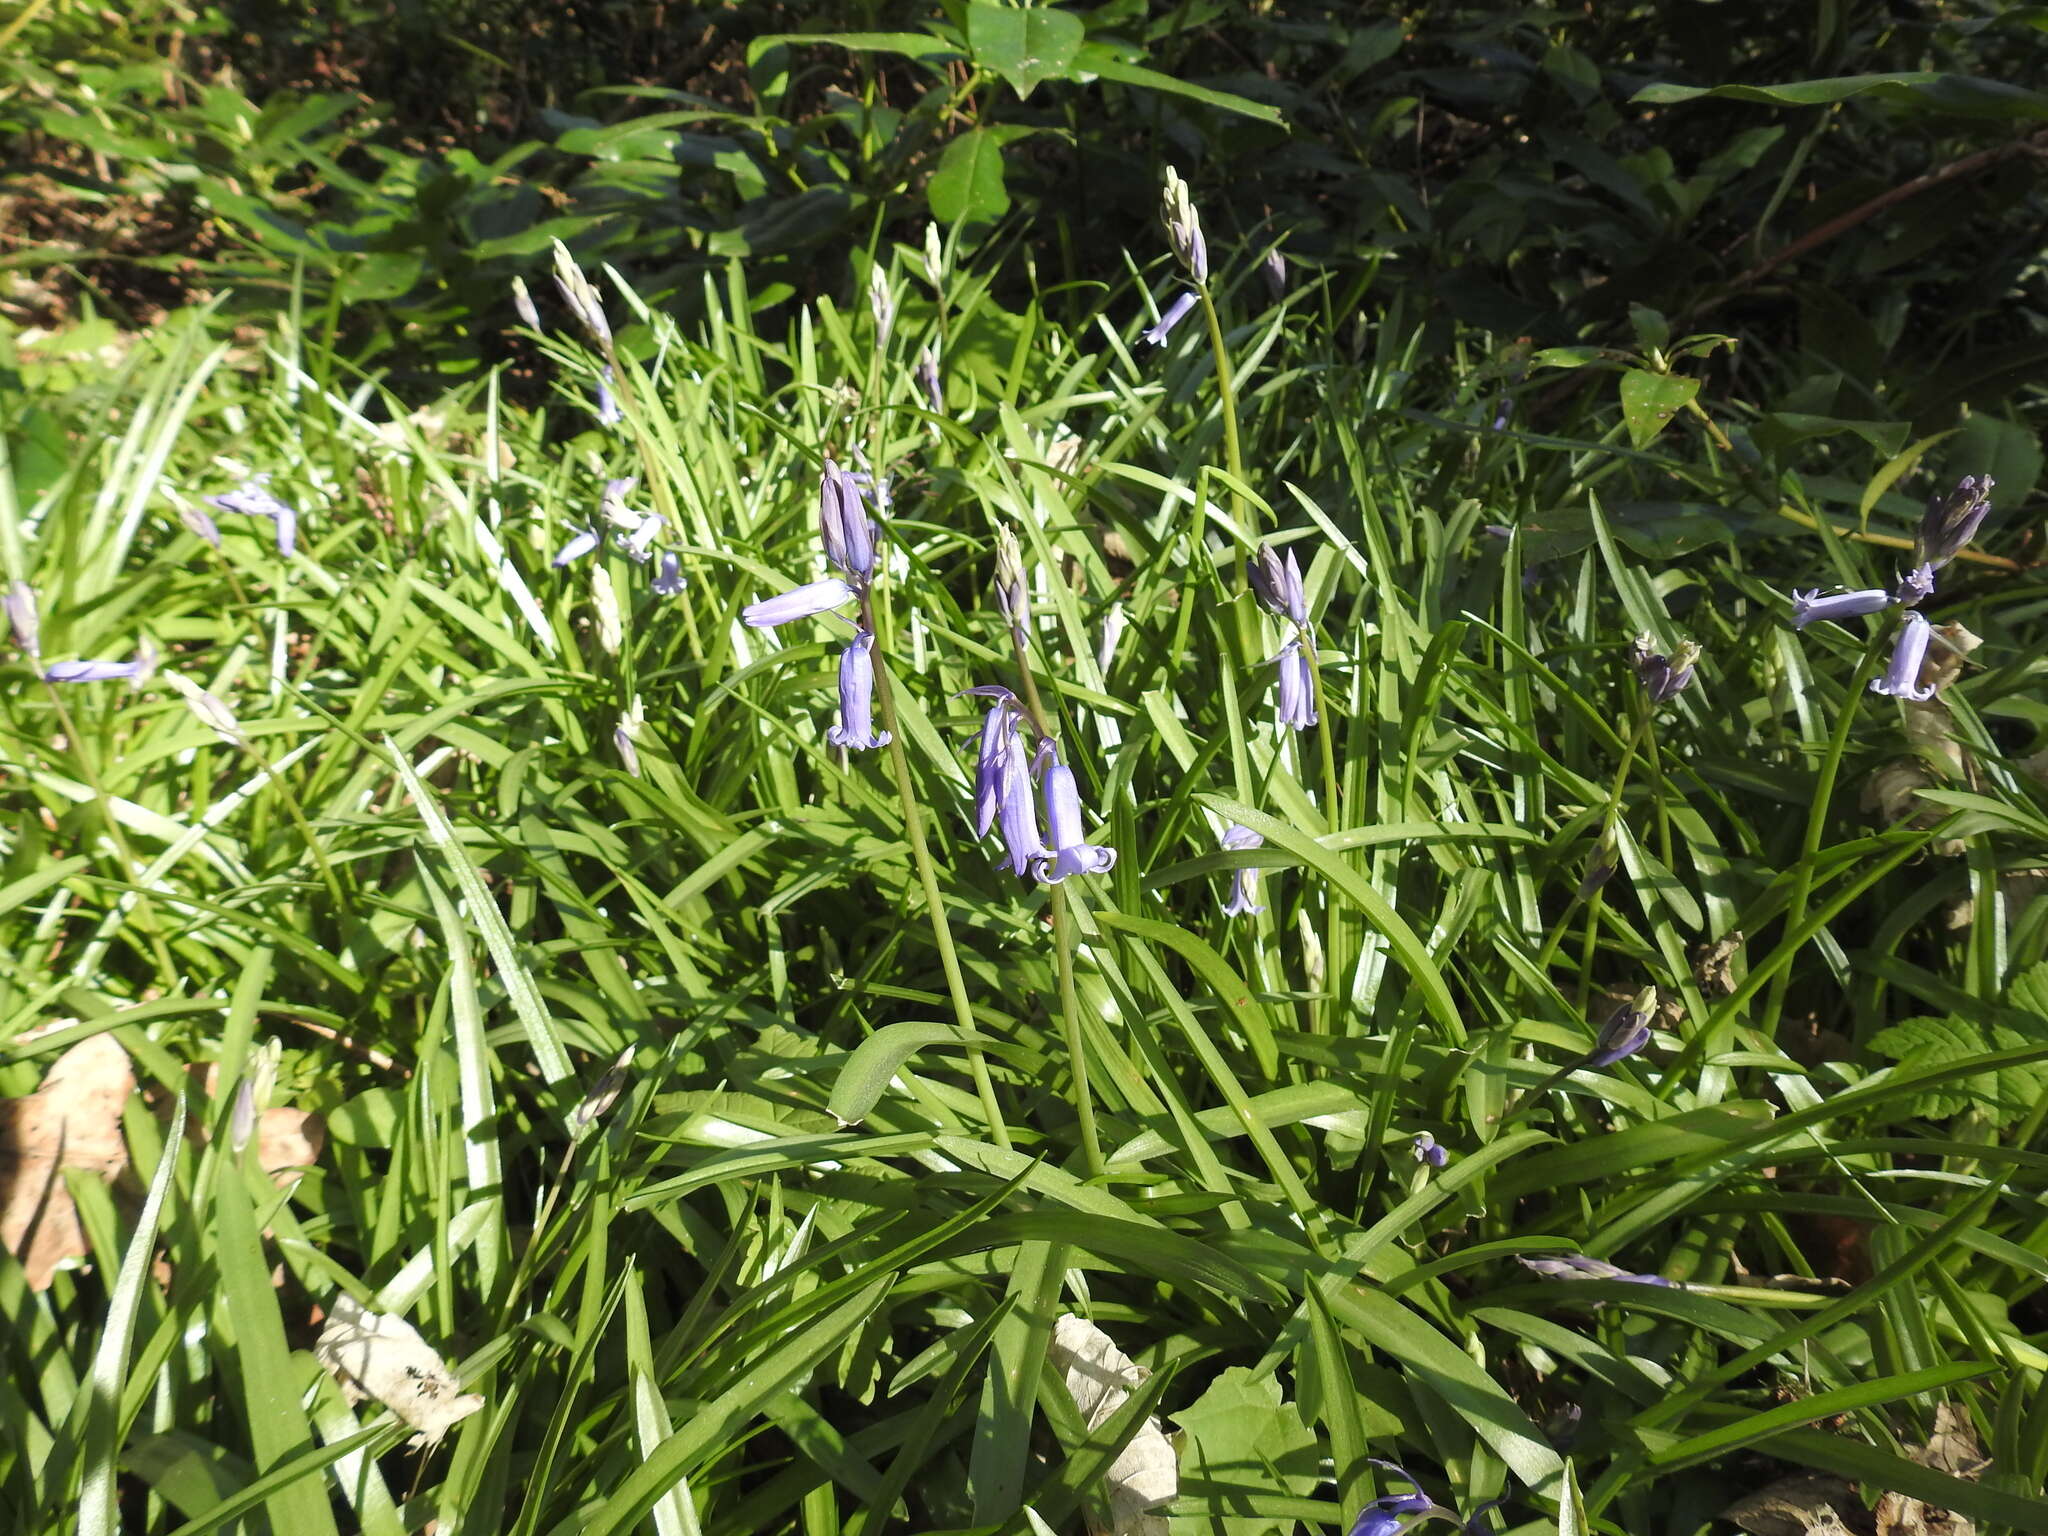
x: 1901, y: 678
x: 198, y: 522
x: 1577, y: 1266
x: 1297, y: 708
x: 1071, y: 853
x: 1601, y: 864
x: 1183, y: 227
x: 1951, y: 521
x: 626, y: 736
x: 138, y: 669
x: 611, y: 505
x: 1915, y: 587
x: 1244, y: 883
x: 669, y: 579
x: 1664, y: 677
x: 1013, y: 584
x: 639, y: 544
x: 522, y: 305
x: 806, y: 601
x: 1002, y: 782
x: 1176, y: 312
x: 928, y: 379
x: 1382, y: 1517
x: 1809, y: 607
x: 844, y: 525
x: 856, y: 727
x: 23, y: 618
x: 1626, y: 1031
x: 581, y: 297
x: 1276, y: 582
x: 252, y: 498
x: 581, y: 543
x: 1274, y: 270
x: 608, y: 412
x: 1427, y: 1151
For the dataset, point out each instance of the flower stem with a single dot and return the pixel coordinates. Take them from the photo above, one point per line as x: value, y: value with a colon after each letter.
x: 1070, y: 1021
x: 942, y: 934
x: 1233, y: 450
x: 1326, y: 730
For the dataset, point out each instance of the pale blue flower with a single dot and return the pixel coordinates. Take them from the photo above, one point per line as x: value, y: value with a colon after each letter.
x: 1915, y: 587
x: 803, y: 602
x: 1276, y: 582
x: 639, y: 544
x: 1427, y: 1151
x: 608, y: 412
x: 1664, y: 677
x: 1002, y: 782
x: 856, y: 727
x: 1577, y: 1266
x: 1811, y: 607
x: 1901, y: 679
x: 1070, y: 853
x: 669, y: 580
x: 23, y: 617
x: 1176, y: 312
x: 844, y: 525
x: 1297, y: 710
x: 928, y: 377
x: 579, y: 545
x: 198, y: 522
x: 138, y: 669
x: 1626, y: 1031
x: 1951, y: 521
x: 252, y: 498
x: 1244, y: 883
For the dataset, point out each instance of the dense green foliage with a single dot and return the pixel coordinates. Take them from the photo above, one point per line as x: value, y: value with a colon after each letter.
x: 433, y: 827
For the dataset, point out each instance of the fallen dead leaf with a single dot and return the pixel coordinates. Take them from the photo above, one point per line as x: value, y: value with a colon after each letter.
x: 72, y: 1121
x: 1806, y: 1504
x: 1952, y: 1448
x: 379, y: 1355
x: 1099, y: 1377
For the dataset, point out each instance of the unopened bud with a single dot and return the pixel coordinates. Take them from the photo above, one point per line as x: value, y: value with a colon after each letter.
x: 611, y: 628
x: 1013, y: 586
x: 602, y: 1096
x: 210, y: 711
x: 1184, y: 227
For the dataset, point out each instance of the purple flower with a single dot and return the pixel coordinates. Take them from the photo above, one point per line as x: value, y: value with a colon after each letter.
x: 1810, y: 606
x: 1297, y: 689
x: 639, y: 544
x: 1601, y: 864
x: 1276, y: 581
x: 856, y: 727
x: 1951, y: 521
x: 1577, y: 1266
x: 253, y: 499
x: 844, y: 525
x: 626, y: 735
x: 139, y: 669
x: 198, y: 522
x: 1626, y: 1031
x: 1382, y: 1517
x: 522, y: 305
x: 1915, y: 587
x: 1176, y: 312
x: 1002, y: 782
x: 1427, y: 1151
x: 1902, y: 678
x: 1071, y: 852
x: 23, y: 618
x: 1664, y: 677
x: 1503, y: 412
x: 669, y: 579
x: 611, y: 505
x: 1244, y: 883
x: 608, y: 412
x: 928, y: 376
x: 581, y: 544
x: 1274, y: 270
x: 802, y: 602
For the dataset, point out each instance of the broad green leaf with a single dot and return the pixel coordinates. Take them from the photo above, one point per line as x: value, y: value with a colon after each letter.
x: 1025, y: 46
x: 1650, y: 400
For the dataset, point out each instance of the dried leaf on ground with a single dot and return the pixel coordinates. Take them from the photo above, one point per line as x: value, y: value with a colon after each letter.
x: 1952, y: 1448
x: 72, y: 1121
x: 1099, y: 1377
x: 1805, y: 1504
x: 379, y: 1355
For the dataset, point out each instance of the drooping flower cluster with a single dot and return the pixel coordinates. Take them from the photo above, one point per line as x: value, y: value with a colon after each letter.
x: 1949, y: 523
x: 1626, y: 1031
x: 1003, y: 772
x: 1663, y: 677
x: 1184, y: 235
x: 848, y: 534
x: 1276, y: 582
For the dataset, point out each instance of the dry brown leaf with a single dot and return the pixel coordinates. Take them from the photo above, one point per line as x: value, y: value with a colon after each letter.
x: 288, y: 1142
x: 380, y: 1355
x: 1805, y: 1504
x: 1099, y: 1378
x: 72, y: 1121
x: 1952, y: 1448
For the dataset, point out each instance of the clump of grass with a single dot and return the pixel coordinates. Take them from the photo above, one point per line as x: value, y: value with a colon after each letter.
x: 464, y: 826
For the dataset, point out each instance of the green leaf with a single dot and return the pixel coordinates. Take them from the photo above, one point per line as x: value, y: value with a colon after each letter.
x: 1241, y: 1433
x: 1650, y: 400
x: 1099, y: 59
x: 1026, y: 47
x: 1922, y: 91
x: 1777, y: 431
x: 968, y: 185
